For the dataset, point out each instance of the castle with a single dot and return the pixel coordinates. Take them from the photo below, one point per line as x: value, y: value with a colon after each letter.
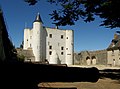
x: 57, y: 46
x: 52, y: 44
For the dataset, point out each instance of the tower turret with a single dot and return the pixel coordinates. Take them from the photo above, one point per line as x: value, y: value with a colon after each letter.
x: 69, y: 46
x: 38, y: 35
x: 38, y: 18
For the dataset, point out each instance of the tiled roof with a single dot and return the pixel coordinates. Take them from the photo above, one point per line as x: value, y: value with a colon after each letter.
x: 115, y: 43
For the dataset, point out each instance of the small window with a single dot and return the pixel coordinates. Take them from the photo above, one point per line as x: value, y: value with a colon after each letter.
x: 27, y: 39
x: 30, y: 45
x: 50, y: 52
x: 50, y: 35
x: 61, y: 36
x: 67, y: 37
x: 50, y: 47
x: 61, y: 53
x: 62, y: 48
x: 66, y: 48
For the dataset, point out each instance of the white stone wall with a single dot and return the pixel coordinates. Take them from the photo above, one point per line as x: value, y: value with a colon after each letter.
x: 113, y: 58
x: 57, y: 43
x: 26, y: 38
x: 30, y: 39
x: 54, y: 58
x: 53, y: 44
x: 43, y: 40
x: 37, y: 41
x: 69, y: 47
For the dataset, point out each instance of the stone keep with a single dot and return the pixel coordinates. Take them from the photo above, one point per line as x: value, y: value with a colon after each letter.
x: 55, y: 45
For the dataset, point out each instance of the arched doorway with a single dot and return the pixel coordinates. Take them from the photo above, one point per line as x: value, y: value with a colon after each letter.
x: 93, y: 60
x: 88, y: 61
x: 114, y: 62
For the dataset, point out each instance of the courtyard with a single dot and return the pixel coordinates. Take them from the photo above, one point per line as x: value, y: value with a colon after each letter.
x: 109, y: 79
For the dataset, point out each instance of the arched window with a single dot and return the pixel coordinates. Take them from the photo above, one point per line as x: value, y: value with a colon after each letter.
x: 93, y: 57
x: 93, y: 60
x: 87, y: 57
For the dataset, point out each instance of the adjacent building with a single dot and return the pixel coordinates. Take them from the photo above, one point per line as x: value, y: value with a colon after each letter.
x: 108, y: 57
x: 98, y: 57
x: 113, y: 51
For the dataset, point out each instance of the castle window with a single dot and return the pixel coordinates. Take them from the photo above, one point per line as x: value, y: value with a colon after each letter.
x: 50, y: 52
x: 62, y: 48
x: 61, y: 53
x: 61, y: 36
x: 67, y: 38
x: 27, y: 39
x: 50, y: 47
x: 50, y: 35
x: 66, y: 48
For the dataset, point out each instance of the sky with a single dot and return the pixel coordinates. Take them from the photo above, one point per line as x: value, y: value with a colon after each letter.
x: 87, y: 36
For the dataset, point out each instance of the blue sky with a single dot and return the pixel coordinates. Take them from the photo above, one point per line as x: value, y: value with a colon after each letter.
x: 87, y: 36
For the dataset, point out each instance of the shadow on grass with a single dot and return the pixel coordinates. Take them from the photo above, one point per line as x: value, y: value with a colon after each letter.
x: 113, y: 74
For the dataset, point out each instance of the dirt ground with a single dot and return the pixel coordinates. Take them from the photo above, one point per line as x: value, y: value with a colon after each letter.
x: 105, y: 83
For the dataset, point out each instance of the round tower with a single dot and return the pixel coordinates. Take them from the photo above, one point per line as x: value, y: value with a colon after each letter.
x: 37, y: 39
x: 69, y: 47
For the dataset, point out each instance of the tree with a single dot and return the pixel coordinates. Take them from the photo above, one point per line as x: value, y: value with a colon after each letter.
x: 74, y: 10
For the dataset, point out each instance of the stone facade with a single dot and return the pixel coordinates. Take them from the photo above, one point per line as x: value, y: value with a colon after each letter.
x: 26, y: 54
x: 113, y: 51
x: 108, y: 57
x: 91, y: 57
x: 52, y: 44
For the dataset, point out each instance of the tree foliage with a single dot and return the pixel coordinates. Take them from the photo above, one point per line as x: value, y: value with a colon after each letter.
x: 74, y: 10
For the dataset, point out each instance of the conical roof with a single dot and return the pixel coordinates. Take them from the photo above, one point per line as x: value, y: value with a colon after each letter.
x: 38, y: 18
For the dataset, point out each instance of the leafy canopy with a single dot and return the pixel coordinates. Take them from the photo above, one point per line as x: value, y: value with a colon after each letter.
x: 74, y: 10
